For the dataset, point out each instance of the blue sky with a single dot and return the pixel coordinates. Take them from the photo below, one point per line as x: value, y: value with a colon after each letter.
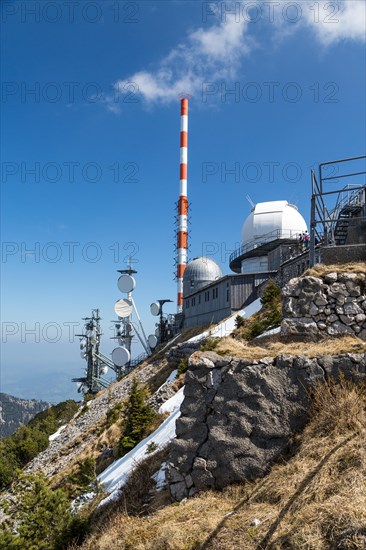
x: 101, y: 133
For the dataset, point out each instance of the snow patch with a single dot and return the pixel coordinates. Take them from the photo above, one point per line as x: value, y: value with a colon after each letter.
x: 227, y: 326
x: 115, y: 476
x: 270, y: 332
x: 159, y: 477
x: 56, y: 434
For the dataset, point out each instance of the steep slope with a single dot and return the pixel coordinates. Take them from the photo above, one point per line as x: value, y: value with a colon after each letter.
x: 314, y: 498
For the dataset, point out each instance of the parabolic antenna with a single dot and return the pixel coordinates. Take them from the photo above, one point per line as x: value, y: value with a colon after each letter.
x: 104, y: 370
x: 155, y: 308
x: 120, y: 356
x: 123, y: 308
x: 126, y: 283
x: 157, y: 332
x: 152, y: 341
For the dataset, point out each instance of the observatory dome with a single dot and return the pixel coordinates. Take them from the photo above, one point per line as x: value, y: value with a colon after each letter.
x: 199, y: 273
x: 272, y: 220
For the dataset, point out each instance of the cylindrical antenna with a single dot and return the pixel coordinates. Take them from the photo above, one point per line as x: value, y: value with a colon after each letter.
x: 182, y: 233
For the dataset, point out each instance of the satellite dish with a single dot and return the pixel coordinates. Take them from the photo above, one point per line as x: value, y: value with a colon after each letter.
x: 155, y: 308
x: 157, y: 333
x: 82, y: 344
x: 120, y: 356
x: 82, y: 354
x: 126, y: 283
x: 123, y: 308
x: 152, y: 341
x: 104, y: 370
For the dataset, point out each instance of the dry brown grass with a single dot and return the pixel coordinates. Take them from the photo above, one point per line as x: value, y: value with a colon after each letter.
x: 315, y: 501
x: 320, y: 270
x: 275, y: 345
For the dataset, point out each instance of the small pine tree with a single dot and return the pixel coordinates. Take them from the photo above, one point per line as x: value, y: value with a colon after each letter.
x: 139, y: 416
x: 42, y: 516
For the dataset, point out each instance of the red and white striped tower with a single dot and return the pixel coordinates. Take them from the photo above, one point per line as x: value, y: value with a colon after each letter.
x: 182, y: 233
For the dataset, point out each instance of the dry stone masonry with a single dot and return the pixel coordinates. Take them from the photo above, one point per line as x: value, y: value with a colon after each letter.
x: 237, y: 416
x: 321, y: 307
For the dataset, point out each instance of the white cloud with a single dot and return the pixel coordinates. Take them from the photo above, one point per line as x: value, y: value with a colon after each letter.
x: 330, y: 22
x: 206, y: 55
x: 337, y: 21
x: 216, y: 52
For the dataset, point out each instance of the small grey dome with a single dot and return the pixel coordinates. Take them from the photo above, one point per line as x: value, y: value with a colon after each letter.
x: 199, y: 273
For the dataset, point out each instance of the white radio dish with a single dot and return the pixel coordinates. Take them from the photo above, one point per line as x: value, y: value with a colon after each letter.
x: 155, y: 308
x: 157, y: 332
x: 126, y: 283
x: 120, y: 356
x: 104, y: 370
x: 123, y: 308
x: 152, y: 341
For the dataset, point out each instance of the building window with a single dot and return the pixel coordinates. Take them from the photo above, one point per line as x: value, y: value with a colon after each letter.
x: 193, y: 301
x: 207, y: 295
x: 187, y: 304
x: 199, y: 298
x: 228, y: 295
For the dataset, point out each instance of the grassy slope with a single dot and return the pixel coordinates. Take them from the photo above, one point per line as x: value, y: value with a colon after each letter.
x: 316, y: 499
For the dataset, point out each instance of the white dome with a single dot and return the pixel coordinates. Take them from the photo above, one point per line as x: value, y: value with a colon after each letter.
x: 199, y: 273
x: 273, y: 220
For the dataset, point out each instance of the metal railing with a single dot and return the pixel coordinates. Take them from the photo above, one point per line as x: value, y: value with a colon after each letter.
x: 323, y: 219
x: 277, y: 234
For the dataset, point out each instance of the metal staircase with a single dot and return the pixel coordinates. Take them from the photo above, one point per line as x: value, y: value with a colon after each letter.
x: 349, y: 204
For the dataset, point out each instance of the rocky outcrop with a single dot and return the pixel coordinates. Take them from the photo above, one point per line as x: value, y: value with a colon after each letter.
x: 316, y: 307
x: 237, y: 415
x: 182, y: 351
x: 15, y: 411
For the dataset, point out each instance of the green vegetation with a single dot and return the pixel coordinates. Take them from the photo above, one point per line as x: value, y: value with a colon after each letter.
x: 268, y: 317
x: 209, y: 344
x: 151, y: 448
x: 85, y: 474
x: 239, y: 321
x: 42, y: 517
x: 182, y: 366
x: 139, y: 419
x: 114, y: 414
x: 22, y: 446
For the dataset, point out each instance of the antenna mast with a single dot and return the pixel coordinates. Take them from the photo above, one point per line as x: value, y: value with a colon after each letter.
x: 182, y: 232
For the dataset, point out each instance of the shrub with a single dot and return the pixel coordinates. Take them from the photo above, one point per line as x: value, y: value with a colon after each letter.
x: 139, y: 416
x: 182, y: 366
x: 42, y: 517
x: 114, y: 414
x: 268, y: 317
x: 209, y: 344
x: 239, y: 321
x: 85, y: 473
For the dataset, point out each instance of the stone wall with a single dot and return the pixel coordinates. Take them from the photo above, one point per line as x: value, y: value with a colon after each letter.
x: 237, y: 416
x: 321, y: 307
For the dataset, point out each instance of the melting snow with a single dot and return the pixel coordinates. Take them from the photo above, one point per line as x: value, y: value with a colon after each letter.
x: 116, y: 475
x: 227, y: 326
x: 159, y: 477
x: 56, y: 434
x: 270, y: 332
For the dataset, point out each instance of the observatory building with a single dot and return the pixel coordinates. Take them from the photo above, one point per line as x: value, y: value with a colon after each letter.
x: 270, y: 234
x: 269, y: 226
x: 199, y: 273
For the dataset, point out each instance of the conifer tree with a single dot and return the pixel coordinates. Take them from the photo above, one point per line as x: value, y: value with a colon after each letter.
x: 139, y: 416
